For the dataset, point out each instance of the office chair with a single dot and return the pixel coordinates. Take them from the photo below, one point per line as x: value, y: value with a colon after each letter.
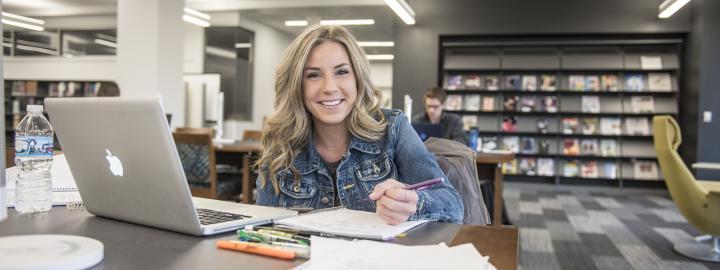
x: 698, y: 201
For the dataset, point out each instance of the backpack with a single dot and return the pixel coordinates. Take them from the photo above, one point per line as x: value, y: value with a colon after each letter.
x: 457, y: 161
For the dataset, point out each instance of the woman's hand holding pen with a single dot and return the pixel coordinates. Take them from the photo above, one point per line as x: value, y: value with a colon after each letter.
x: 394, y: 203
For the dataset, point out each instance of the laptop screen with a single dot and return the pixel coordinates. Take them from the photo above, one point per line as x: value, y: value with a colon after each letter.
x: 426, y: 130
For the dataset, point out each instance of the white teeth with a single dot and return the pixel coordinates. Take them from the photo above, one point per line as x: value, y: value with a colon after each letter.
x: 331, y: 102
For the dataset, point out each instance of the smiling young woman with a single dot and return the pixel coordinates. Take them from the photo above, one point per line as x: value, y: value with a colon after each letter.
x: 329, y: 143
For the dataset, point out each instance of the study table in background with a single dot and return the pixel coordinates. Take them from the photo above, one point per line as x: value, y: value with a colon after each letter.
x: 129, y: 246
x: 239, y: 152
x: 489, y: 167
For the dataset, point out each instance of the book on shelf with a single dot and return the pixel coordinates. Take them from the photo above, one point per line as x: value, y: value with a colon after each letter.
x: 510, y: 103
x: 645, y: 169
x: 548, y: 104
x: 527, y: 103
x: 589, y: 125
x: 592, y: 83
x: 512, y: 82
x: 488, y: 103
x: 610, y: 170
x: 608, y: 148
x: 548, y: 82
x: 488, y: 143
x: 454, y: 82
x: 469, y: 122
x: 18, y: 89
x: 637, y: 126
x: 15, y: 109
x: 528, y: 145
x: 453, y: 103
x: 570, y: 125
x: 589, y: 147
x: 511, y: 143
x: 31, y: 88
x: 634, y: 82
x: 528, y: 166
x: 642, y: 104
x: 509, y: 124
x: 659, y: 82
x: 609, y: 83
x: 576, y: 82
x: 492, y: 82
x: 510, y: 167
x: 529, y: 82
x: 571, y: 147
x: 610, y: 126
x: 590, y: 104
x: 543, y: 146
x: 570, y: 168
x: 471, y: 102
x: 545, y: 167
x: 589, y: 169
x: 54, y: 89
x: 473, y: 82
x: 62, y: 89
x: 542, y: 125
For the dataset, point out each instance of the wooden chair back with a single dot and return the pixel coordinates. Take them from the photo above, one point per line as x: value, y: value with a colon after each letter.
x: 197, y: 154
x: 252, y: 135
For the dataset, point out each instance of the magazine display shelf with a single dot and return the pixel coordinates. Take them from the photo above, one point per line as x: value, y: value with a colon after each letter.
x: 572, y: 108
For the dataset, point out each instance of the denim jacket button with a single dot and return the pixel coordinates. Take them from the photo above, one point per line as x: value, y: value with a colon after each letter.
x: 296, y: 188
x: 325, y: 200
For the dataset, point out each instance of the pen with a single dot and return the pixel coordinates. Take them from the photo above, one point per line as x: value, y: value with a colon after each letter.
x: 256, y: 248
x: 267, y: 237
x: 306, y: 234
x: 285, y: 234
x: 417, y: 186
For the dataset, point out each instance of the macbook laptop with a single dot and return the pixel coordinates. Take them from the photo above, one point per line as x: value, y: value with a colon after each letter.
x: 427, y: 130
x: 125, y: 163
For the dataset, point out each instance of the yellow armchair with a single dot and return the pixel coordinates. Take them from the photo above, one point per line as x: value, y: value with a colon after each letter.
x: 698, y: 201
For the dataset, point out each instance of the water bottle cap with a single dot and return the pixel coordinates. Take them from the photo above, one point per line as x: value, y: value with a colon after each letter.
x: 35, y: 108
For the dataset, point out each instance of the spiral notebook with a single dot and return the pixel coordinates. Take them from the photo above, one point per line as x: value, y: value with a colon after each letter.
x: 345, y: 222
x: 63, y: 184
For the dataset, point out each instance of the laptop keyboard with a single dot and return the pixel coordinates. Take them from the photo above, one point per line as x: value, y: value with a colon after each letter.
x: 208, y: 216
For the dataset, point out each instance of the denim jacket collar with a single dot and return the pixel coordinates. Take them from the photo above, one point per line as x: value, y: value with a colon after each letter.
x: 309, y: 160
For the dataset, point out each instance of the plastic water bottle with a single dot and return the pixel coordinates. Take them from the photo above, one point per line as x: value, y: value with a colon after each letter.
x: 33, y: 157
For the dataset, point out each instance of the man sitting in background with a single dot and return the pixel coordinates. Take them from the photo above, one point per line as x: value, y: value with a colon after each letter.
x: 452, y: 125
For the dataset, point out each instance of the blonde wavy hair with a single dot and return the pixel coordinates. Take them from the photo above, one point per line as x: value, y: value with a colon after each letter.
x: 289, y: 128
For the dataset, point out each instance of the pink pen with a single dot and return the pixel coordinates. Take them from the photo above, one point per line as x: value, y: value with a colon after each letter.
x: 417, y: 187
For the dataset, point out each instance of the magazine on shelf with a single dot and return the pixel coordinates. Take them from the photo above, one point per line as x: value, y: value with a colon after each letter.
x: 527, y: 103
x: 642, y: 104
x: 18, y: 89
x: 589, y: 169
x: 589, y: 125
x: 510, y: 167
x: 659, y: 82
x: 529, y: 82
x: 548, y: 104
x: 528, y: 145
x: 571, y: 147
x: 473, y: 82
x: 610, y: 126
x: 511, y: 143
x: 545, y: 167
x: 492, y: 82
x: 512, y: 82
x: 469, y: 122
x: 488, y: 103
x: 576, y: 82
x: 634, y: 82
x: 488, y: 143
x: 651, y: 62
x: 510, y: 103
x: 570, y: 168
x: 31, y: 88
x: 542, y: 125
x: 548, y: 83
x: 590, y: 104
x: 453, y: 103
x: 609, y: 83
x: 589, y: 147
x: 610, y: 170
x: 645, y: 169
x: 454, y: 82
x: 592, y: 83
x: 471, y: 103
x: 608, y: 148
x: 528, y: 166
x: 570, y: 125
x: 509, y: 124
x: 637, y: 126
x: 543, y: 146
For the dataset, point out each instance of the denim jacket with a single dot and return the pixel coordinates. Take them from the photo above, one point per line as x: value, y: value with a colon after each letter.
x: 400, y: 155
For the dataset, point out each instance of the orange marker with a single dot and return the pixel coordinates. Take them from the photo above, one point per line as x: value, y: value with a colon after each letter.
x: 256, y: 248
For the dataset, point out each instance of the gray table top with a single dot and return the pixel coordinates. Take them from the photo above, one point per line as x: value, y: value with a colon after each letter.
x: 130, y: 246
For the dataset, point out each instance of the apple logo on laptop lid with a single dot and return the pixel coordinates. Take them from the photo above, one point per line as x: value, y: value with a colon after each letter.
x: 116, y: 167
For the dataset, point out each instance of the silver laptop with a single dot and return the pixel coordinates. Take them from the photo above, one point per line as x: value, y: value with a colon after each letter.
x: 123, y: 157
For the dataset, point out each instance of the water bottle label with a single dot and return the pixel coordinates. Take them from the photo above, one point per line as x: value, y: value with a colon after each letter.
x: 33, y: 146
